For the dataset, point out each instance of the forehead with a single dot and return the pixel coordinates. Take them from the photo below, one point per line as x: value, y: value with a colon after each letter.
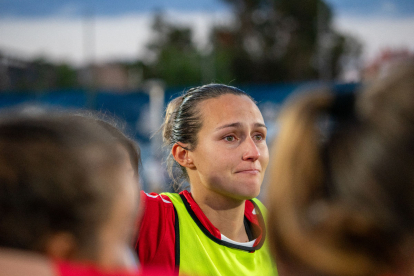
x: 229, y: 108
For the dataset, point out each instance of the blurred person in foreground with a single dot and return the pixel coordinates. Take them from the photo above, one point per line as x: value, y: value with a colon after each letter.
x: 341, y: 198
x: 68, y: 197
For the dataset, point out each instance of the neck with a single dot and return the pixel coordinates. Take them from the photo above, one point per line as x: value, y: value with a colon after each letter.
x: 225, y: 214
x: 16, y: 262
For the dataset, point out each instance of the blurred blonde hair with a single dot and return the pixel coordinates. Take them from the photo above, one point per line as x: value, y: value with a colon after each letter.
x: 341, y: 201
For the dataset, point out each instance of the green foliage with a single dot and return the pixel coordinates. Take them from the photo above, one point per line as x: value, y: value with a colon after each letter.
x: 176, y: 59
x: 270, y: 41
x: 281, y: 40
x: 66, y: 76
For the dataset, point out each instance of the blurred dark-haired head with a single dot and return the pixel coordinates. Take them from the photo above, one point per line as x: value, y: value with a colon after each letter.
x: 66, y: 189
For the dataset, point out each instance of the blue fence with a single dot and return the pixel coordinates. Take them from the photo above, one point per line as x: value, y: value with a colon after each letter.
x: 133, y: 107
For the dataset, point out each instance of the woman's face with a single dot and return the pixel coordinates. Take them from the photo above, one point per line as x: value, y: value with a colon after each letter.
x: 231, y: 154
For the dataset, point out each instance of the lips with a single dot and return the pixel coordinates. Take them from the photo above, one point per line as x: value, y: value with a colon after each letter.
x: 249, y: 171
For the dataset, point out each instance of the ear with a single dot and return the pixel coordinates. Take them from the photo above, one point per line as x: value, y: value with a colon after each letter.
x: 182, y: 155
x: 61, y: 246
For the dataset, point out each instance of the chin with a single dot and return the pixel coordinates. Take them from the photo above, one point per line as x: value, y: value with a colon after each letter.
x: 249, y: 194
x: 241, y: 189
x: 253, y: 195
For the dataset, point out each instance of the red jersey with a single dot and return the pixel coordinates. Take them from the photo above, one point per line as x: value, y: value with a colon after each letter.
x: 157, y: 244
x: 75, y: 269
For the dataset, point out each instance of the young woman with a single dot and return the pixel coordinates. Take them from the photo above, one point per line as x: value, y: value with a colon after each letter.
x: 341, y: 199
x: 68, y: 192
x: 217, y: 142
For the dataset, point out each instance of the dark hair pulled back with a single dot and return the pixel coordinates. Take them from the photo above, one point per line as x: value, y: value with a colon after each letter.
x: 183, y: 122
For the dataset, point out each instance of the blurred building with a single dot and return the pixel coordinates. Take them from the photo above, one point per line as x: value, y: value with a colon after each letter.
x: 13, y: 71
x: 18, y: 73
x: 115, y: 77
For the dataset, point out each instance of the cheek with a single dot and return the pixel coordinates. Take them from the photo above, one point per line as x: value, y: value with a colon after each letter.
x: 204, y: 155
x: 264, y: 157
x: 220, y: 160
x: 213, y: 168
x: 214, y: 161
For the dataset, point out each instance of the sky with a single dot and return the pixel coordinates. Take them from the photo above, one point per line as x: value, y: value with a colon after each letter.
x: 62, y: 30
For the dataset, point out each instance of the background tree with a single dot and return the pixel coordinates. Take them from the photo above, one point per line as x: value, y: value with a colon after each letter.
x: 65, y: 77
x: 280, y: 40
x: 173, y: 55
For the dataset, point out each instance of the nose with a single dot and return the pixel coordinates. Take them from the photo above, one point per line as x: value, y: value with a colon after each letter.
x: 251, y: 152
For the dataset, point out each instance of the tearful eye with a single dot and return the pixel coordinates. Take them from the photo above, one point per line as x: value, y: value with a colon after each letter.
x: 229, y: 138
x: 258, y: 137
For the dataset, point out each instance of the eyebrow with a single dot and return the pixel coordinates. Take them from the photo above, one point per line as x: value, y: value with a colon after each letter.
x: 238, y: 125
